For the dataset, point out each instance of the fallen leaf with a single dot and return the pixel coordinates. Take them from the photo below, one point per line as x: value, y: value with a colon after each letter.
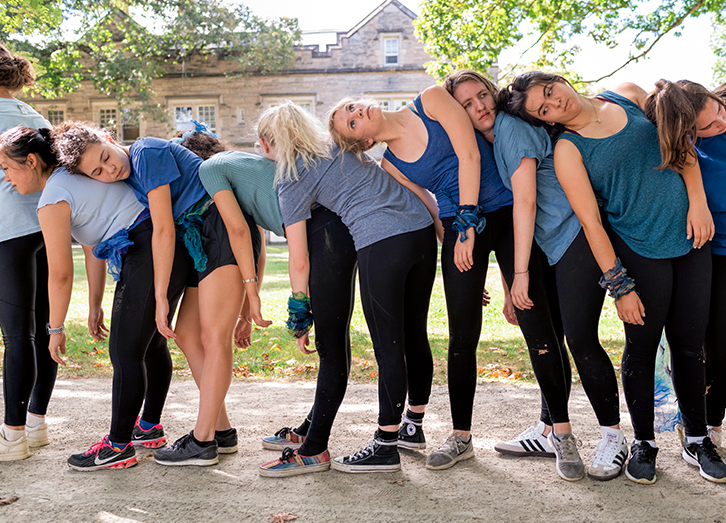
x: 7, y: 501
x: 281, y: 517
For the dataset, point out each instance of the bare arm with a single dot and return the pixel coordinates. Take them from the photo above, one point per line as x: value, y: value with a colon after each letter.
x: 299, y: 268
x: 96, y: 275
x: 524, y: 189
x: 243, y: 329
x: 163, y: 243
x: 699, y: 224
x: 572, y: 175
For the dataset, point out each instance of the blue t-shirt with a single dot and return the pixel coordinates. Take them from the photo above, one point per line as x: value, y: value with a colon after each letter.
x: 156, y: 162
x: 555, y: 224
x: 437, y: 170
x: 372, y: 204
x: 18, y: 217
x: 98, y: 210
x: 712, y: 160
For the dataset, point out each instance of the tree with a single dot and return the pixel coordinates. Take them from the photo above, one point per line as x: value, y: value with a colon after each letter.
x: 473, y: 33
x: 122, y: 57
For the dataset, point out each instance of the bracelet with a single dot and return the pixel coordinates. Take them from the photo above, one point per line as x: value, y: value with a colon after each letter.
x: 56, y: 330
x: 249, y: 280
x: 525, y: 272
x: 617, y: 281
x: 468, y: 216
x: 300, y: 314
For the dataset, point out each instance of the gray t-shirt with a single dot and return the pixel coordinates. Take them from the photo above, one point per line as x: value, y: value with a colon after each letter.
x: 98, y: 210
x: 18, y: 216
x: 370, y: 203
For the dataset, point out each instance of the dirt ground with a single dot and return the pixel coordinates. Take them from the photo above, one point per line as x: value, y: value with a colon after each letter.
x: 490, y: 487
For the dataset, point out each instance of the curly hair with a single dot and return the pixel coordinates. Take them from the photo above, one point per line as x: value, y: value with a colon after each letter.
x: 19, y: 142
x: 203, y: 145
x: 71, y: 140
x: 357, y: 146
x: 15, y: 71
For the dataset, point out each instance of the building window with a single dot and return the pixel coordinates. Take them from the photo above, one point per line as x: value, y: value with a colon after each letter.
x: 393, y: 101
x: 207, y: 115
x: 390, y: 50
x: 306, y: 102
x: 184, y: 114
x: 55, y: 116
x: 241, y: 119
x: 183, y: 117
x: 107, y: 119
x: 130, y: 131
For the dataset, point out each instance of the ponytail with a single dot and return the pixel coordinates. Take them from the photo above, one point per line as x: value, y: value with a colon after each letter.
x: 19, y: 142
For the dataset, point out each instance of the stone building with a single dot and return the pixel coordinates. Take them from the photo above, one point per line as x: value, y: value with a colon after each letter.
x: 380, y: 57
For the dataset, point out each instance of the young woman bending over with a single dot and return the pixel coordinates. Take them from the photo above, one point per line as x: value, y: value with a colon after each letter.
x: 396, y: 250
x: 432, y: 146
x: 660, y: 231
x: 164, y: 177
x: 524, y: 155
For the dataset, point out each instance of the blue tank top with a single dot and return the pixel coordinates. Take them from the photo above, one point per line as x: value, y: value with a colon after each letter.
x: 438, y: 170
x: 645, y: 206
x: 712, y: 160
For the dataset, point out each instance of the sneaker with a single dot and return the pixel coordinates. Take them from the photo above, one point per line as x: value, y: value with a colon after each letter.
x: 283, y: 438
x: 377, y: 456
x: 641, y: 467
x: 151, y: 439
x: 292, y: 464
x: 410, y: 434
x: 705, y: 456
x: 611, y: 454
x: 13, y: 450
x: 453, y: 450
x: 185, y: 451
x: 531, y: 442
x: 715, y: 436
x: 226, y: 441
x: 37, y: 436
x: 103, y: 455
x: 569, y: 465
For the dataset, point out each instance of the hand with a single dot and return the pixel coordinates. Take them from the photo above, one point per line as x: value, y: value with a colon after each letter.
x: 464, y: 251
x: 699, y: 225
x: 520, y: 291
x: 303, y: 342
x: 57, y: 342
x: 630, y: 309
x: 162, y: 324
x: 508, y: 310
x: 256, y: 311
x: 96, y: 327
x: 243, y: 333
x: 485, y: 298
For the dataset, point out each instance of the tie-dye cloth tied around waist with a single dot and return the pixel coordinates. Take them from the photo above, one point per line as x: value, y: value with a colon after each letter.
x: 189, y: 229
x: 113, y: 249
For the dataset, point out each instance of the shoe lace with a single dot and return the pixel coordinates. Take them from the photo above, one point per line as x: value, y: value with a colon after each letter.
x: 709, y: 449
x: 644, y: 453
x: 605, y: 451
x: 568, y: 448
x: 182, y: 442
x: 96, y: 447
x: 365, y: 451
x: 529, y: 433
x: 283, y: 432
x: 288, y: 454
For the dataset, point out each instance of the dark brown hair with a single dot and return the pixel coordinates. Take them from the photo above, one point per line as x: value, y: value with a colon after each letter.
x: 15, y: 71
x: 71, y: 140
x: 19, y: 142
x: 203, y: 145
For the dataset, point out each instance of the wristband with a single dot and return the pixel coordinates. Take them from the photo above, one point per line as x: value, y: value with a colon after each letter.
x: 248, y: 280
x: 56, y: 330
x: 300, y: 314
x: 468, y: 216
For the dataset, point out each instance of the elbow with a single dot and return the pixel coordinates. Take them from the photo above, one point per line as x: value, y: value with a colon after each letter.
x: 299, y: 266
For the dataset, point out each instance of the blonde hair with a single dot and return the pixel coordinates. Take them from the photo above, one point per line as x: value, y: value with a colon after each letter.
x: 71, y: 140
x: 295, y: 134
x: 15, y: 71
x: 357, y: 146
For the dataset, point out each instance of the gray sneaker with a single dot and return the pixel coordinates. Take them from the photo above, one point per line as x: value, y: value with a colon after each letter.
x: 454, y: 449
x: 569, y: 465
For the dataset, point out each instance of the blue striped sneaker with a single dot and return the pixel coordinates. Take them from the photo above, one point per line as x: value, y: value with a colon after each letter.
x: 531, y: 442
x: 293, y: 464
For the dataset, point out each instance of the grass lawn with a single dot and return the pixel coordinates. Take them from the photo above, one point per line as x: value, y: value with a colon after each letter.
x: 502, y: 353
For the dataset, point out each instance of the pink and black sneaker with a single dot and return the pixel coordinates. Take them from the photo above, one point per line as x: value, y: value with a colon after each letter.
x: 103, y: 455
x: 153, y: 438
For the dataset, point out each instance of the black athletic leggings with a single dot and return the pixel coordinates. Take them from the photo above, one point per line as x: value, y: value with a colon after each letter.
x: 142, y: 365
x: 396, y: 278
x: 716, y: 345
x: 675, y: 293
x: 581, y: 301
x: 28, y: 370
x: 333, y: 265
x: 463, y: 302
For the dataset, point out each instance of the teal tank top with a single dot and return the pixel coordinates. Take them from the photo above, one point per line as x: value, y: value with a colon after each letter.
x: 646, y: 207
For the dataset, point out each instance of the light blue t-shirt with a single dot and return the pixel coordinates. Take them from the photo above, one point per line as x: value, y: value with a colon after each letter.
x: 370, y: 203
x: 18, y: 217
x: 98, y: 210
x: 712, y: 160
x: 555, y: 225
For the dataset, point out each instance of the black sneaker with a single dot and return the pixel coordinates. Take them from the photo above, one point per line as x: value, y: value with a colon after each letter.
x: 641, y: 467
x: 705, y: 456
x: 378, y: 456
x: 103, y: 455
x: 185, y: 451
x: 226, y: 441
x: 410, y: 434
x: 153, y: 438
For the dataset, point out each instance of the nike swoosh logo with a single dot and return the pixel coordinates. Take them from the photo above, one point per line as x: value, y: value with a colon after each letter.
x: 103, y: 461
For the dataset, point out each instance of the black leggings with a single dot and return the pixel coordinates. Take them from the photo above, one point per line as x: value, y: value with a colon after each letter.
x: 332, y: 294
x: 142, y: 365
x: 675, y: 293
x: 581, y: 301
x: 463, y: 303
x: 716, y: 345
x: 28, y: 370
x: 396, y: 278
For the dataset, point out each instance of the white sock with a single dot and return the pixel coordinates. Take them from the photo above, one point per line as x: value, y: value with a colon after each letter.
x: 694, y: 439
x: 650, y: 442
x: 12, y: 434
x: 33, y: 420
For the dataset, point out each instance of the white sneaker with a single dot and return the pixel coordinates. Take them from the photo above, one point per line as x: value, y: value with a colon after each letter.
x: 37, y: 436
x: 611, y: 454
x: 715, y: 435
x: 531, y: 442
x: 13, y: 450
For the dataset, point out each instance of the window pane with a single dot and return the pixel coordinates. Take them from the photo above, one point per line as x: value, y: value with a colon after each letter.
x: 207, y: 116
x: 130, y: 128
x: 55, y: 117
x: 183, y: 118
x: 392, y: 46
x: 107, y: 118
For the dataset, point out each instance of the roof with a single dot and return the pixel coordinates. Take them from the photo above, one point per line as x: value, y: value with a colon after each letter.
x: 375, y: 13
